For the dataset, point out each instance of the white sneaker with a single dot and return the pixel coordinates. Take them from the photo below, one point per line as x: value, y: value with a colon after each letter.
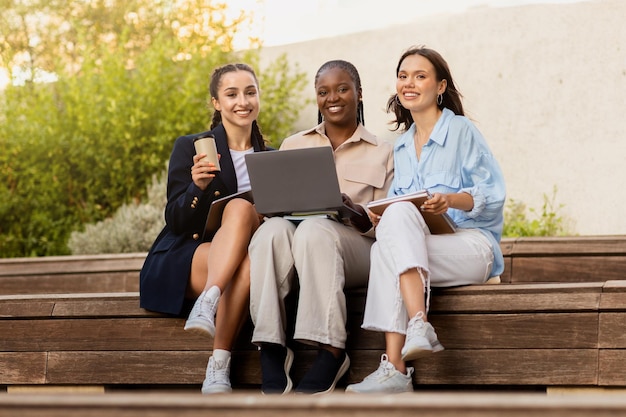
x: 421, y: 339
x: 386, y: 379
x: 217, y: 379
x: 202, y: 316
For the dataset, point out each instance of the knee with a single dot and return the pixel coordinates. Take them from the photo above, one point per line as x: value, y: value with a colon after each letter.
x: 240, y: 211
x: 275, y: 233
x: 401, y: 208
x: 397, y: 212
x: 315, y: 232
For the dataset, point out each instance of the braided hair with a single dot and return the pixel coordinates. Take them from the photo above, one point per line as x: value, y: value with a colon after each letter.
x: 354, y: 75
x: 216, y: 79
x: 451, y: 98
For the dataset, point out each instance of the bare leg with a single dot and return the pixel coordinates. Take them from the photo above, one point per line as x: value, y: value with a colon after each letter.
x: 412, y: 289
x: 226, y: 252
x: 394, y: 343
x: 232, y: 310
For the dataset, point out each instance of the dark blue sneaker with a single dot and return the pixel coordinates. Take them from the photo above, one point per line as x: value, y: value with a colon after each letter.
x: 324, y: 374
x: 276, y: 361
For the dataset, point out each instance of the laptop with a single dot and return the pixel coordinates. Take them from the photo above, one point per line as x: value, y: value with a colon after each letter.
x: 295, y: 181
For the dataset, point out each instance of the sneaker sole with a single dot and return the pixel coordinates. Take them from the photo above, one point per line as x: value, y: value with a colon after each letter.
x: 199, y: 328
x: 420, y: 352
x: 342, y: 370
x: 221, y: 389
x: 287, y: 368
x: 288, y: 363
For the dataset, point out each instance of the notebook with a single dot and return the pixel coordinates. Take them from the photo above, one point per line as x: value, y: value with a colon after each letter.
x: 437, y: 223
x: 214, y: 218
x: 295, y: 181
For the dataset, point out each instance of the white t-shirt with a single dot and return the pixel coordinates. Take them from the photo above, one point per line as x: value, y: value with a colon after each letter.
x: 239, y: 161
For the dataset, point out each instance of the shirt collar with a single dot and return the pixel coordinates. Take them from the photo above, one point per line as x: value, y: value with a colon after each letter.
x: 438, y: 135
x: 359, y: 134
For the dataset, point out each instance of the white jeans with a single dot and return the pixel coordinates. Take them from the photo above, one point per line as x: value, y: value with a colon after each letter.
x: 403, y: 242
x: 327, y: 257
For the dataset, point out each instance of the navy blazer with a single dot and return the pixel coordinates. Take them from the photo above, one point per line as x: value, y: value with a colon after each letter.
x: 165, y: 274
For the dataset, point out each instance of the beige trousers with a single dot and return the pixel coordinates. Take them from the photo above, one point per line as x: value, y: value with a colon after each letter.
x: 327, y: 257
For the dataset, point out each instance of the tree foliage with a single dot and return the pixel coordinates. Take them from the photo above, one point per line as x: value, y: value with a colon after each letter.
x: 124, y: 79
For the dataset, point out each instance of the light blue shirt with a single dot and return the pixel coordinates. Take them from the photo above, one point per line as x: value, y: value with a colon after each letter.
x: 455, y: 159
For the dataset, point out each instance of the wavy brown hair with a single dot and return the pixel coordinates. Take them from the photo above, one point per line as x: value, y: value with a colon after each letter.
x: 451, y: 97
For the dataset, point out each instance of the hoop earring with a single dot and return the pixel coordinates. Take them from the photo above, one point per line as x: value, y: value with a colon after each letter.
x: 397, y: 99
x: 439, y: 99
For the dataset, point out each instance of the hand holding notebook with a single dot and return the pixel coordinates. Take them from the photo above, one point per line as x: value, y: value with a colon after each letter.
x: 437, y: 223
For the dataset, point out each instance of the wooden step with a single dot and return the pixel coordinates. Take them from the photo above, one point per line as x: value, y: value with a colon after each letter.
x: 426, y: 404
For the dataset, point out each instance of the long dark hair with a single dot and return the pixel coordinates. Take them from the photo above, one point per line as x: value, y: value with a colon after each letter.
x: 356, y: 79
x: 451, y: 97
x: 216, y: 79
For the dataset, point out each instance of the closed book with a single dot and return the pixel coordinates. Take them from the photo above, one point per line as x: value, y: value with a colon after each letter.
x: 437, y: 223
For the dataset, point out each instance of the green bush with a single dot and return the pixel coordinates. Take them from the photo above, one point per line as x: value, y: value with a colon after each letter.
x: 132, y: 228
x: 130, y: 78
x: 522, y: 221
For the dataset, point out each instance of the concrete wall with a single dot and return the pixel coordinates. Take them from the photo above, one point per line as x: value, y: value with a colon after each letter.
x: 546, y: 84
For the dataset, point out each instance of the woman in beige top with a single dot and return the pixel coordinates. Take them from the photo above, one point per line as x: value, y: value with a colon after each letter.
x: 327, y: 256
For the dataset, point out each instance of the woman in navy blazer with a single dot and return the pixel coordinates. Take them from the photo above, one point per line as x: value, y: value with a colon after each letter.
x: 183, y: 265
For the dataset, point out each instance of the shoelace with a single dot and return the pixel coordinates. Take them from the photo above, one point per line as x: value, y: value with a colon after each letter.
x: 383, y: 369
x: 416, y: 326
x: 219, y: 372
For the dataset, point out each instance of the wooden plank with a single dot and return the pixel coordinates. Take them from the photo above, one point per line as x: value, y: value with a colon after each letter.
x: 245, y: 404
x: 507, y: 275
x: 88, y: 282
x: 22, y: 367
x: 612, y: 331
x: 79, y: 264
x: 518, y: 331
x: 450, y: 367
x: 575, y: 268
x: 573, y: 245
x: 498, y: 331
x: 611, y: 367
x: 70, y: 305
x: 127, y: 367
x: 518, y: 298
x: 99, y: 334
x: 495, y: 367
x: 613, y: 296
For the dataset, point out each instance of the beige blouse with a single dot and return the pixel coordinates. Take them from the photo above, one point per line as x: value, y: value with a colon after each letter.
x: 364, y: 163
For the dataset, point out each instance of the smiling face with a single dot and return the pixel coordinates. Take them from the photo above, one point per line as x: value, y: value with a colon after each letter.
x: 417, y: 85
x: 337, y: 97
x: 237, y: 99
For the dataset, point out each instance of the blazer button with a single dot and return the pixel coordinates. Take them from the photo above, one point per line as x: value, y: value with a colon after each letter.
x: 217, y: 194
x: 193, y: 206
x: 195, y: 236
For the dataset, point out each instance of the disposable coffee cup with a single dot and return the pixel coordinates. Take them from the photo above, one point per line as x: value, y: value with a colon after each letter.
x: 207, y: 146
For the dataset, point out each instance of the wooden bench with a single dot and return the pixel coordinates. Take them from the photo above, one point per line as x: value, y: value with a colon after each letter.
x: 564, y: 259
x: 71, y: 274
x: 523, y: 335
x: 557, y: 320
x: 558, y: 259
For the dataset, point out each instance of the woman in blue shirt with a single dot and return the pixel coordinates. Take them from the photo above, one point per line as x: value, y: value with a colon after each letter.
x: 440, y: 151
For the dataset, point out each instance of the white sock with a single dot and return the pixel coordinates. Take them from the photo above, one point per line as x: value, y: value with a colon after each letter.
x: 221, y: 355
x: 213, y: 292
